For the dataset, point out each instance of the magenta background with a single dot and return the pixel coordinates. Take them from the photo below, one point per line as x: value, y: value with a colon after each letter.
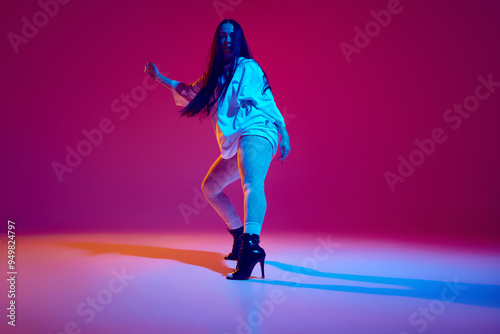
x: 348, y: 122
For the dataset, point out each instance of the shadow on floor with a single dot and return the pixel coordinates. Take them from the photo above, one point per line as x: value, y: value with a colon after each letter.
x: 448, y: 291
x: 210, y: 260
x: 451, y: 291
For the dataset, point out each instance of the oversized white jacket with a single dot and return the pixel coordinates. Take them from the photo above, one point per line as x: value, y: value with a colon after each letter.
x: 243, y: 110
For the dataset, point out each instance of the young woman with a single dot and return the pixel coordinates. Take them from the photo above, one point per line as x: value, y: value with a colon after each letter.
x: 235, y: 93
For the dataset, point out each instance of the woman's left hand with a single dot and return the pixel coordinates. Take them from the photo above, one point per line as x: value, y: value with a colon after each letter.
x: 284, y: 147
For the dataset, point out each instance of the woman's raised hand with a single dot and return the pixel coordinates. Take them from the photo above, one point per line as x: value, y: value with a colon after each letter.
x: 152, y: 70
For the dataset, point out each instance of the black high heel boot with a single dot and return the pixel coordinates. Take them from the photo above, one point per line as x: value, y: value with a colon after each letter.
x: 236, y: 233
x: 250, y: 254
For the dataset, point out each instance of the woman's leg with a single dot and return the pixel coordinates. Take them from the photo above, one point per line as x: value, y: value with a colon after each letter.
x: 222, y: 173
x: 254, y: 158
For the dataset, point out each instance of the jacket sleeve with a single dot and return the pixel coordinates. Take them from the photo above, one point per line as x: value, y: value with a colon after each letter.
x: 184, y: 93
x: 249, y: 91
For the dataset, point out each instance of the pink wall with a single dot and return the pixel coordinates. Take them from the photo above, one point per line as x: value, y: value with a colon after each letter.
x: 350, y: 115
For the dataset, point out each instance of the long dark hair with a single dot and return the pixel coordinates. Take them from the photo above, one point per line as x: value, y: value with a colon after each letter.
x: 200, y: 105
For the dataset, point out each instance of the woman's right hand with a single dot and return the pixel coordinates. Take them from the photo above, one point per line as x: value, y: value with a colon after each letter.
x: 152, y: 70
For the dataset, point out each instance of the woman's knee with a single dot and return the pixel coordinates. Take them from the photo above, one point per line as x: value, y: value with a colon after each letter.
x: 209, y: 187
x: 254, y: 186
x: 215, y: 182
x: 222, y: 173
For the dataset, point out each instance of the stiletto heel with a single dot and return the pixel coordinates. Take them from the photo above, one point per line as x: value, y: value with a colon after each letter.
x: 236, y: 233
x: 250, y: 254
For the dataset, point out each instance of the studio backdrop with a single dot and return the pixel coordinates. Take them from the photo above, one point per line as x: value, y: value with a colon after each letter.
x: 392, y: 107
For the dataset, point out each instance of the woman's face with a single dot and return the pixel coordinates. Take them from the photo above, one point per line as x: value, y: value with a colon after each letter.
x: 226, y: 39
